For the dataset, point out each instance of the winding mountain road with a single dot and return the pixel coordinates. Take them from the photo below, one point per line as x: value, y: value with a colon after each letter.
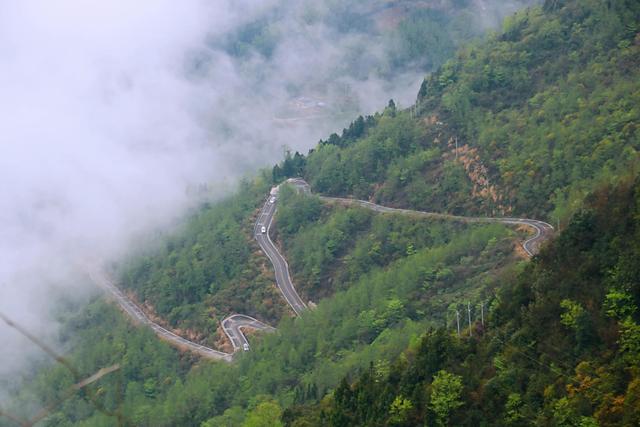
x: 234, y: 324
x: 140, y: 317
x: 542, y: 230
x: 531, y: 246
x: 283, y: 278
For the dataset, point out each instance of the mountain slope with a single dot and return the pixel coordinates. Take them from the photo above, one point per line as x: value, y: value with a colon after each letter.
x: 540, y: 119
x: 541, y: 113
x: 561, y: 347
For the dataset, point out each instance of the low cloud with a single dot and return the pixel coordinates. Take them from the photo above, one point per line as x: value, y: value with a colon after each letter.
x: 99, y: 137
x: 112, y: 110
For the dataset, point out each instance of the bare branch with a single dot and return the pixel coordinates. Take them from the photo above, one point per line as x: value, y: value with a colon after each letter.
x: 13, y: 418
x: 40, y: 344
x: 70, y: 392
x: 81, y: 384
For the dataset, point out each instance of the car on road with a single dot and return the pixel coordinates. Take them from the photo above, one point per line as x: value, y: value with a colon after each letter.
x: 272, y: 200
x: 245, y: 347
x: 263, y: 229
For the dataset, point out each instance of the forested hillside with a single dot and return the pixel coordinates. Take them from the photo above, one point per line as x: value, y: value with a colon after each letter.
x: 208, y: 270
x: 370, y: 318
x: 541, y: 113
x: 330, y: 248
x: 561, y: 347
x: 539, y: 120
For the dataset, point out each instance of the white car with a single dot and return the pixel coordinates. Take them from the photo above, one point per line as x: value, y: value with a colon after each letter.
x: 272, y: 200
x: 245, y: 347
x: 263, y: 229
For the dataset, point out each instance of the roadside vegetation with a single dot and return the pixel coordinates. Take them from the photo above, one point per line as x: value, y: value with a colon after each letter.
x: 561, y: 347
x: 372, y: 319
x: 329, y: 247
x: 545, y: 117
x: 542, y: 113
x: 208, y: 269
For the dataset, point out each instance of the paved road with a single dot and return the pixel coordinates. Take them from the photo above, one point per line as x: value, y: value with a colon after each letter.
x: 138, y: 315
x: 234, y: 324
x: 283, y: 278
x: 542, y: 231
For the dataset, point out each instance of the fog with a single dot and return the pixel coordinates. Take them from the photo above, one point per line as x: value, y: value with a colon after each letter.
x: 112, y: 110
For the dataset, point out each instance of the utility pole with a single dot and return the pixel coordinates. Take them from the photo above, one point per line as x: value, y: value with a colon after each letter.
x: 456, y: 148
x: 469, y: 311
x: 482, y: 313
x: 458, y: 321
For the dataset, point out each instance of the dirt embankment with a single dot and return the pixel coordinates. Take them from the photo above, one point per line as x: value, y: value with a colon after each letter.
x: 192, y: 335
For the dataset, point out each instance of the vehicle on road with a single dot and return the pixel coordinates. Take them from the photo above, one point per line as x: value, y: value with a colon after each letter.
x: 531, y: 246
x: 272, y: 200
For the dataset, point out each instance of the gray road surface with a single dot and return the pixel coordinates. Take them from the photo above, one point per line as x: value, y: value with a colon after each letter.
x: 283, y: 278
x: 541, y: 230
x: 138, y: 315
x: 234, y: 324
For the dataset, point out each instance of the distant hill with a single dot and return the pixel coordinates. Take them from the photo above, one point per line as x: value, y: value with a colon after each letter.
x: 541, y: 113
x: 539, y: 119
x: 355, y: 44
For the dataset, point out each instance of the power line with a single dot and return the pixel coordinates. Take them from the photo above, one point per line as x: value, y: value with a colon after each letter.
x: 469, y: 311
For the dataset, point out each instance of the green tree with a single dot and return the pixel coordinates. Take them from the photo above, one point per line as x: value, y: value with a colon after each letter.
x: 513, y: 410
x: 232, y: 417
x: 266, y: 414
x: 446, y: 390
x: 399, y: 410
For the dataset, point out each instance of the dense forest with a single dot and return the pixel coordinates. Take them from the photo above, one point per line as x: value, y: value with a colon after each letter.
x: 561, y: 346
x: 541, y: 113
x: 330, y: 248
x: 365, y: 321
x: 209, y: 269
x: 539, y: 119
